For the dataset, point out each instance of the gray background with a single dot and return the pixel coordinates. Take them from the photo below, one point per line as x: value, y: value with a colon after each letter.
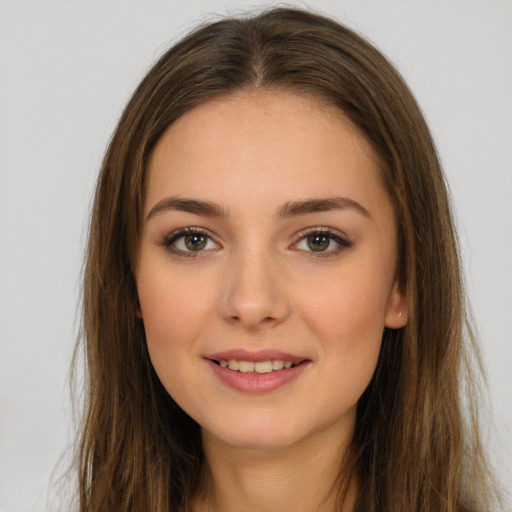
x: 66, y: 70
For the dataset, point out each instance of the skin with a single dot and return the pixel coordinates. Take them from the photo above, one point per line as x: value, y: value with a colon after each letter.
x: 257, y: 284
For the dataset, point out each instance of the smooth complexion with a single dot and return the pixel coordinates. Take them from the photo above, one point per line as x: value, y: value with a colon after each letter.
x: 289, y: 249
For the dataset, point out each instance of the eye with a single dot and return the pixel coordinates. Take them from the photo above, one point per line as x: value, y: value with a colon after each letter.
x: 188, y: 241
x: 322, y: 242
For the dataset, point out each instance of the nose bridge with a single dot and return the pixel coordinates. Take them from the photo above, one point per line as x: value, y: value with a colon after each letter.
x: 253, y: 293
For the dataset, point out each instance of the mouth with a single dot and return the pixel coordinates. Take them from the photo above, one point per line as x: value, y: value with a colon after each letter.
x: 267, y: 366
x: 257, y: 372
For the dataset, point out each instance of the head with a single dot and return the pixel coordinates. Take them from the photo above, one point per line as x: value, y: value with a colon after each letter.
x: 289, y: 53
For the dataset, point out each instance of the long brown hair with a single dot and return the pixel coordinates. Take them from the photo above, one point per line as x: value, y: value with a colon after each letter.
x: 415, y: 446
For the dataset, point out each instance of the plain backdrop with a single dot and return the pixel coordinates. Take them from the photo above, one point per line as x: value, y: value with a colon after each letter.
x: 66, y: 70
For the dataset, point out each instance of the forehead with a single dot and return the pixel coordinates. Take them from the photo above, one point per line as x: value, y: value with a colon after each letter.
x: 271, y: 145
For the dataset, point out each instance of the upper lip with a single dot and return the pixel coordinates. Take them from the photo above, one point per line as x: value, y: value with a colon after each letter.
x: 256, y: 355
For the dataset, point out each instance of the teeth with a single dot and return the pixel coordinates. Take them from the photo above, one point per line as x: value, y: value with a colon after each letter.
x: 258, y: 367
x: 277, y: 364
x: 263, y: 367
x: 245, y: 366
x: 233, y: 364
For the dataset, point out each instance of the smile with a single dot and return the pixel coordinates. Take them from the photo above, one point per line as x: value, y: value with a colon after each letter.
x: 269, y: 366
x: 262, y: 374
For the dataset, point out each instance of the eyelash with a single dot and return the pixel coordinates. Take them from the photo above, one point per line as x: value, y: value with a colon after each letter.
x: 343, y: 243
x: 335, y: 236
x: 169, y: 241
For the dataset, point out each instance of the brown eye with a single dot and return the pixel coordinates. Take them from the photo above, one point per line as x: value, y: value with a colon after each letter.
x: 322, y: 242
x: 195, y: 242
x: 318, y: 242
x: 189, y: 241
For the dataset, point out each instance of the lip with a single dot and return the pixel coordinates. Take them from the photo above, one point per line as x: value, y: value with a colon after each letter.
x: 255, y: 356
x: 256, y: 383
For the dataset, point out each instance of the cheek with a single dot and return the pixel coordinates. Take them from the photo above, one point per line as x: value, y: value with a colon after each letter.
x: 171, y: 302
x: 173, y: 311
x: 347, y: 316
x: 348, y: 306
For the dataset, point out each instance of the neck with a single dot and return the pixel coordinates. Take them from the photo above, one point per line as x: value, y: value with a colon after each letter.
x: 301, y: 477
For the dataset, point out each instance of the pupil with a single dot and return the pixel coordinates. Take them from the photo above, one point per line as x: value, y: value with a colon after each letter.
x: 195, y: 242
x: 318, y: 242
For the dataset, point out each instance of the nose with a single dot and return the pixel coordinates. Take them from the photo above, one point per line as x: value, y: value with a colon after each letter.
x: 253, y: 293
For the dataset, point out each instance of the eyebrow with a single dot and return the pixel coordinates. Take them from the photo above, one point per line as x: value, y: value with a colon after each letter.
x: 196, y: 206
x: 289, y: 209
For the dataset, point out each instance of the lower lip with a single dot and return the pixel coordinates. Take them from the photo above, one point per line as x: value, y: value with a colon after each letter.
x: 257, y: 382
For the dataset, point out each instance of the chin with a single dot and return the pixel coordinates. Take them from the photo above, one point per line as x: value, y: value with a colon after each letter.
x: 265, y: 434
x: 254, y: 435
x: 260, y: 441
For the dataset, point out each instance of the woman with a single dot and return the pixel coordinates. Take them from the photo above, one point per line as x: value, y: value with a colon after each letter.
x: 273, y: 309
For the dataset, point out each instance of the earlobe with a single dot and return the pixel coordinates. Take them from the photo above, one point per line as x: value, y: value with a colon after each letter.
x: 397, y: 312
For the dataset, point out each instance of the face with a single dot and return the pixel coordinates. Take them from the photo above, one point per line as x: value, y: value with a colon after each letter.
x: 268, y: 241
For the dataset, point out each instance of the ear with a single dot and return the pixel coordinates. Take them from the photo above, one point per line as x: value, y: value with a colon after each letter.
x: 397, y: 311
